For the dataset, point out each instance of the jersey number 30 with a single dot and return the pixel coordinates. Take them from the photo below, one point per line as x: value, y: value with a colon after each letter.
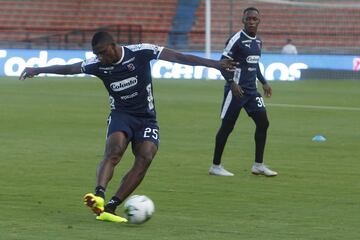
x: 260, y: 101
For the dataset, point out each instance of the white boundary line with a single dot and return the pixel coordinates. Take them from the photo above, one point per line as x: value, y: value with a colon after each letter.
x: 314, y: 107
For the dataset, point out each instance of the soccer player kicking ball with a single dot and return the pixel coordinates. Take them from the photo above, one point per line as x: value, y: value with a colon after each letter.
x: 240, y: 92
x: 126, y: 74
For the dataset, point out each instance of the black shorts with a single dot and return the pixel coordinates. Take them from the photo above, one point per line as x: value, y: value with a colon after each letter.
x: 137, y: 129
x: 231, y: 105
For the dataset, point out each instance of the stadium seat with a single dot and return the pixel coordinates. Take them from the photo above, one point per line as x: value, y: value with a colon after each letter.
x: 324, y: 27
x: 33, y: 20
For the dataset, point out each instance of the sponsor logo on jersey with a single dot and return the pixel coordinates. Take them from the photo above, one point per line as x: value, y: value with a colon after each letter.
x: 129, y: 96
x: 251, y: 69
x: 247, y: 43
x: 124, y: 84
x: 253, y: 59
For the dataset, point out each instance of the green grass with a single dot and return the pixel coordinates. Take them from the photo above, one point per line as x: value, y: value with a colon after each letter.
x: 52, y: 137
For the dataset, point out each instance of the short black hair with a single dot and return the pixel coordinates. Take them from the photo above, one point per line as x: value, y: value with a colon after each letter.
x: 251, y: 9
x: 102, y: 37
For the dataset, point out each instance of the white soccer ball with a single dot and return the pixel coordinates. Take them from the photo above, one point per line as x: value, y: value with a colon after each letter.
x: 139, y: 209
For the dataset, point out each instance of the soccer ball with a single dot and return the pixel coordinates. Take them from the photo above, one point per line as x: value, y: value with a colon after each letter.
x: 139, y: 209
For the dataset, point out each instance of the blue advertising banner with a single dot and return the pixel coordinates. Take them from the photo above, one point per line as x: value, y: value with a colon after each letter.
x: 273, y: 66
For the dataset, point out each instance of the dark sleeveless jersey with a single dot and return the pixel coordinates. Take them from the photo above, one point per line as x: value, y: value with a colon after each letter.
x: 128, y: 81
x: 247, y: 51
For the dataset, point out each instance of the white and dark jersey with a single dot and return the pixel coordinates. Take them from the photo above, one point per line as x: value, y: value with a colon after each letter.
x: 128, y: 81
x: 247, y: 51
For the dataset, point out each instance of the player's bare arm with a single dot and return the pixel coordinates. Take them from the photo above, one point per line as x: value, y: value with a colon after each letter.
x: 188, y: 59
x: 69, y: 69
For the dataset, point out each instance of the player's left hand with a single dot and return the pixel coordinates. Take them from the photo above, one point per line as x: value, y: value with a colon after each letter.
x: 228, y: 65
x: 267, y: 90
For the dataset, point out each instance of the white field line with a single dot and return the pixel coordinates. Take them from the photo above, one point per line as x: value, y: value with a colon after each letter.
x: 314, y: 107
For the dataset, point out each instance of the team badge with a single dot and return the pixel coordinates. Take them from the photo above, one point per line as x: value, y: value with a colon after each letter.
x: 131, y: 67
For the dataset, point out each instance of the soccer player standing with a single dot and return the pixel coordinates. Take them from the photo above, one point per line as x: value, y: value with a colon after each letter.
x: 126, y: 74
x: 240, y: 92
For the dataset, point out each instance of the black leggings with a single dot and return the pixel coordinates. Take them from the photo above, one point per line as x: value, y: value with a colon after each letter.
x: 262, y: 124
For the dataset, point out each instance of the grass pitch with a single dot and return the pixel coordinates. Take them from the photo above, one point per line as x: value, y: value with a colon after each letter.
x: 52, y: 134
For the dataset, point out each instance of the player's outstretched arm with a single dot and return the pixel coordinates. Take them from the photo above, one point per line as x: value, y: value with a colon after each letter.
x: 30, y: 72
x: 188, y: 59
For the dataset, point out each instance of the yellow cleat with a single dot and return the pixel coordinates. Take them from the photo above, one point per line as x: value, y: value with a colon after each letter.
x: 105, y: 216
x: 95, y: 203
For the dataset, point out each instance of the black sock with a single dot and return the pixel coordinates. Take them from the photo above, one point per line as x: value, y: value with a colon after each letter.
x: 112, y: 204
x: 100, y: 191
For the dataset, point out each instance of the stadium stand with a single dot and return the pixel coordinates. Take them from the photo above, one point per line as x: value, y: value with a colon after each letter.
x: 324, y: 26
x: 182, y: 23
x: 69, y: 24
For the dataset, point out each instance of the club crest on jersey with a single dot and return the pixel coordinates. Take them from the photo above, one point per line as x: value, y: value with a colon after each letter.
x: 252, y: 59
x: 130, y: 67
x: 124, y: 84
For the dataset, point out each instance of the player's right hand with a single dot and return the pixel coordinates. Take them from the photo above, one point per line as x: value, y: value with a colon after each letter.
x: 27, y: 73
x: 236, y: 89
